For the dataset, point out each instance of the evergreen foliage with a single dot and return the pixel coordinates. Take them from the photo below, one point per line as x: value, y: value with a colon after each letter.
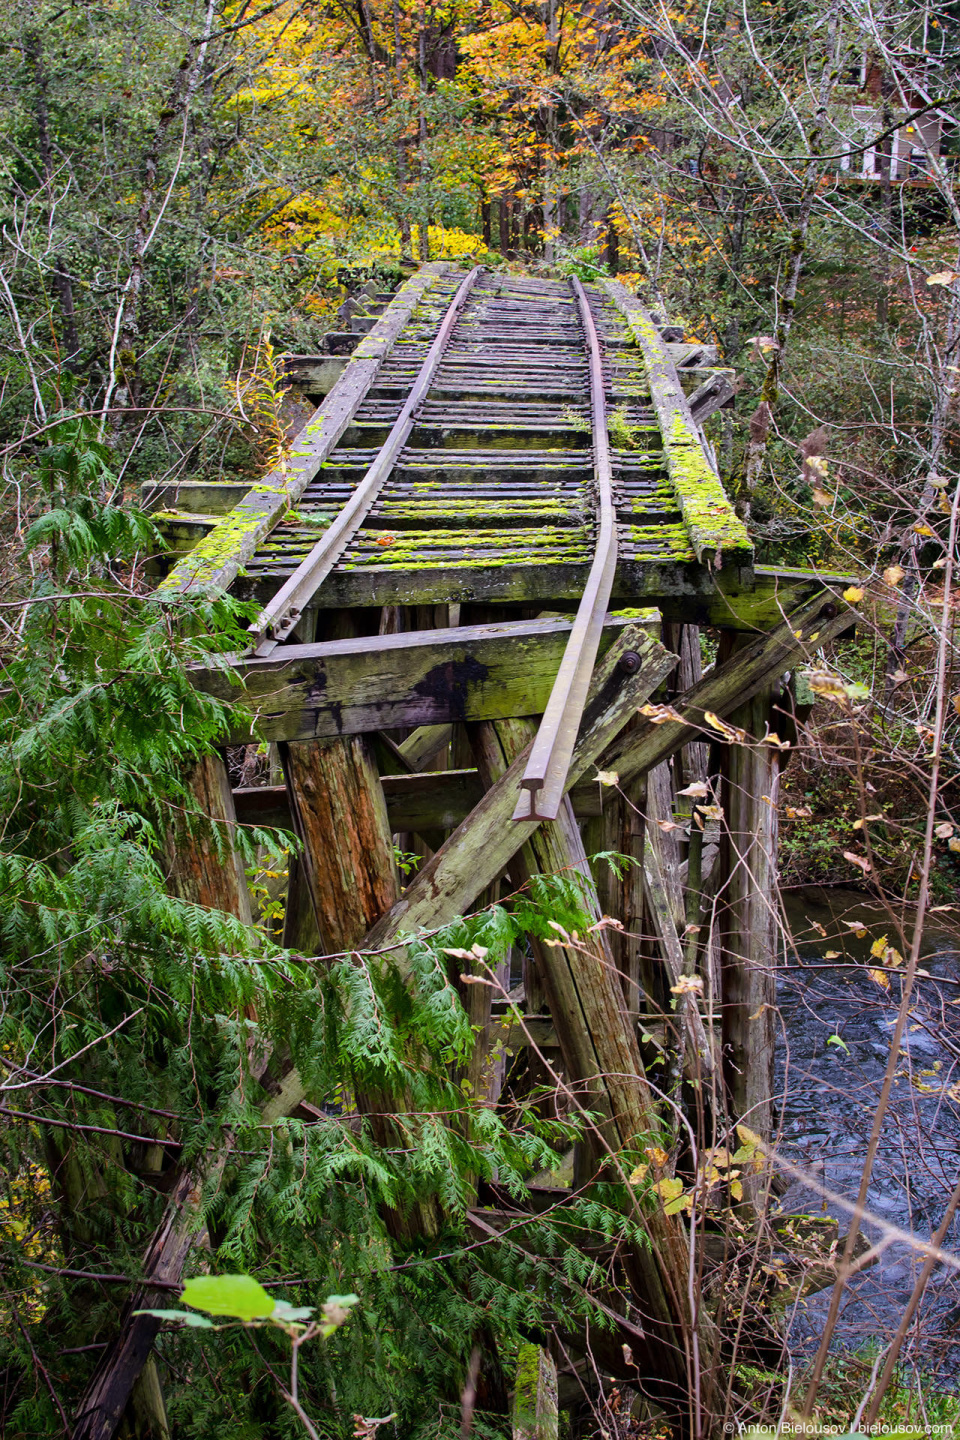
x: 130, y: 1047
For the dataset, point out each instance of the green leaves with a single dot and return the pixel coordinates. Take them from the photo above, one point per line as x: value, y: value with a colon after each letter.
x: 239, y: 1296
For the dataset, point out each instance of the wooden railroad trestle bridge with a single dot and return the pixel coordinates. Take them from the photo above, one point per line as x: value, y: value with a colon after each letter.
x: 492, y: 546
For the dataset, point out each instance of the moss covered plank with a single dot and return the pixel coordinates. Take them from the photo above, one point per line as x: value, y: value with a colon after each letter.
x: 351, y: 687
x: 716, y: 533
x: 219, y: 556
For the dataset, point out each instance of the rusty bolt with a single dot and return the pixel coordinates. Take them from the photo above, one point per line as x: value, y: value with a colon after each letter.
x: 629, y: 662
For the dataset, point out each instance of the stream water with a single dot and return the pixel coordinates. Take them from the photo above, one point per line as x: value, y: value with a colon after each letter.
x: 834, y: 1042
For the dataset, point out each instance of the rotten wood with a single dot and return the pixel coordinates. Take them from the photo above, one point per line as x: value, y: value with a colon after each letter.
x: 340, y: 817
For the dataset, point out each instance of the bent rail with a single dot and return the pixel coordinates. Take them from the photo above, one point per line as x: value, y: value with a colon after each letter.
x: 544, y: 779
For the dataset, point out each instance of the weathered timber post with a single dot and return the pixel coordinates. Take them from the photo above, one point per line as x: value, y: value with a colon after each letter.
x: 340, y: 817
x: 535, y: 1414
x: 205, y: 868
x: 748, y: 914
x: 620, y: 828
x: 348, y: 871
x: 603, y: 1066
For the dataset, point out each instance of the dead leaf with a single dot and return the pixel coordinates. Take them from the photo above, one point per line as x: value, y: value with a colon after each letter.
x: 661, y: 714
x: 858, y: 860
x: 921, y: 529
x: 821, y: 497
x: 798, y: 812
x: 944, y: 831
x: 853, y: 594
x: 893, y: 575
x: 608, y: 777
x: 688, y: 985
x: 831, y: 955
x: 943, y: 277
x: 773, y: 739
x: 827, y: 685
x: 697, y: 790
x: 881, y: 978
x: 729, y: 732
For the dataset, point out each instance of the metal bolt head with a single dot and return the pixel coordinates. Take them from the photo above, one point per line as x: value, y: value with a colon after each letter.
x: 629, y: 662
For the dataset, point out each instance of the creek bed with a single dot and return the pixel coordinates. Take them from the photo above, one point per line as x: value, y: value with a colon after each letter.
x: 833, y: 1045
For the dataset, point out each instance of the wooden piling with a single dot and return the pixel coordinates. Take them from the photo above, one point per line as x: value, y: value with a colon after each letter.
x: 748, y: 914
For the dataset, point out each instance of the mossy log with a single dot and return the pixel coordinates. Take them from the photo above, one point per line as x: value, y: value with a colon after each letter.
x: 535, y: 1414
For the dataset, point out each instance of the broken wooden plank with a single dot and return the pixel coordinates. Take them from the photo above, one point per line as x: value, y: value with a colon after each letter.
x: 711, y: 395
x: 215, y: 562
x: 375, y: 682
x: 725, y: 688
x: 485, y: 843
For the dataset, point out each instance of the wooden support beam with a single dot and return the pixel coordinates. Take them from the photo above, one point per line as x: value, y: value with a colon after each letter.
x: 695, y: 1044
x: 436, y: 800
x: 204, y: 867
x: 420, y: 678
x: 730, y: 685
x: 749, y: 920
x: 340, y: 816
x: 619, y: 828
x: 602, y: 1065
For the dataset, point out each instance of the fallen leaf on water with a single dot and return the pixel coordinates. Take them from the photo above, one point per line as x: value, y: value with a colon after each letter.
x: 881, y: 977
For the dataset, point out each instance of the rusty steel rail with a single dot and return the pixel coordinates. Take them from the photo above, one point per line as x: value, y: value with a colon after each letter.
x: 544, y: 779
x: 279, y: 617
